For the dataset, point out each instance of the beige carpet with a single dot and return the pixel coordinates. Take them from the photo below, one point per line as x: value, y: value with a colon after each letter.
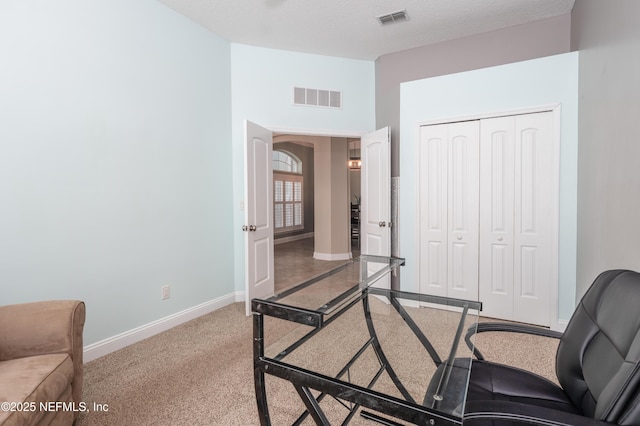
x: 201, y: 373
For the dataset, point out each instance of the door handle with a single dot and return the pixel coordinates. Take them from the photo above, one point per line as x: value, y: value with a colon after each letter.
x: 245, y: 228
x: 382, y: 224
x: 252, y: 228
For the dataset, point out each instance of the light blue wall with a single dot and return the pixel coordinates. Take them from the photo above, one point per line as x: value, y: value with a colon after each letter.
x: 262, y: 88
x: 538, y: 82
x: 119, y: 121
x: 115, y: 129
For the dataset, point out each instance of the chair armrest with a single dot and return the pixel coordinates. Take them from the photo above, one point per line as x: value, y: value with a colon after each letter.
x: 41, y: 328
x: 523, y: 413
x: 506, y: 327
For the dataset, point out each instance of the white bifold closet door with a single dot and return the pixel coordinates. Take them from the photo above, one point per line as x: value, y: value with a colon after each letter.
x: 449, y: 206
x: 517, y: 217
x: 487, y: 214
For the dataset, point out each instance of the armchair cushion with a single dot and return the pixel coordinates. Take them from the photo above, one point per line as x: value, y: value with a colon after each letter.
x: 34, y: 379
x: 41, y: 359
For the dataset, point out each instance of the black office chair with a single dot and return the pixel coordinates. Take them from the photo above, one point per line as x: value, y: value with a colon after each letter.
x: 597, y: 365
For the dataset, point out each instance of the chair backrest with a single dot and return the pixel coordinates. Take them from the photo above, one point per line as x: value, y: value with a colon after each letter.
x: 598, y: 358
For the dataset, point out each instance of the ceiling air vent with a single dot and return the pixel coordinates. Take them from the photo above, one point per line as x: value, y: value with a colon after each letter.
x: 317, y: 97
x: 390, y: 18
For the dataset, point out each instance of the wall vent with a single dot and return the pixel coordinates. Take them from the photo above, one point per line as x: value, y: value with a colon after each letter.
x: 393, y: 17
x: 317, y: 97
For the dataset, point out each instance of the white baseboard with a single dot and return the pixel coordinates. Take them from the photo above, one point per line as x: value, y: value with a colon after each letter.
x: 119, y: 341
x: 331, y: 256
x: 561, y: 326
x: 282, y: 240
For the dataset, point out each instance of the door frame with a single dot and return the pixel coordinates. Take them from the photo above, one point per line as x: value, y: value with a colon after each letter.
x: 293, y: 131
x: 556, y: 111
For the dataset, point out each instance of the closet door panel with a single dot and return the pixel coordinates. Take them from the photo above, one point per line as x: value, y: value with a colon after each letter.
x: 433, y: 172
x: 534, y: 217
x: 463, y: 209
x: 496, y: 216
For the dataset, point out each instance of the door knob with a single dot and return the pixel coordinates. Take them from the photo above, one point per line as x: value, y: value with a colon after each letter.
x: 459, y: 237
x: 252, y: 228
x: 500, y: 238
x: 382, y: 224
x: 245, y: 228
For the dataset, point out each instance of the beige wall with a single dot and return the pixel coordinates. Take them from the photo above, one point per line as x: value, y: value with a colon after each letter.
x: 331, y: 198
x: 522, y: 42
x: 607, y: 35
x: 341, y: 208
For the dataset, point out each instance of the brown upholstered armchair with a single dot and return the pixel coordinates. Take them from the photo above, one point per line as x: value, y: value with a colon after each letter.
x: 41, y: 362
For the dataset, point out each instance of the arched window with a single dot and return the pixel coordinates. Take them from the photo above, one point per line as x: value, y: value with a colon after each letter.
x: 286, y: 162
x: 287, y: 192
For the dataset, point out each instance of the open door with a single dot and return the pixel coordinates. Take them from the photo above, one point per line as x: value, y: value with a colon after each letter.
x: 375, y: 200
x: 258, y: 225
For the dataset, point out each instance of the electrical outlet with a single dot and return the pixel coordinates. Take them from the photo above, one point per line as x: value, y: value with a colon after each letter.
x: 165, y: 292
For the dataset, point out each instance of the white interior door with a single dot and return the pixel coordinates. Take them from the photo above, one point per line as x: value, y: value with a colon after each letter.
x: 536, y: 214
x: 448, y: 209
x: 375, y: 199
x: 463, y: 202
x: 433, y: 209
x: 518, y: 214
x: 258, y: 226
x: 488, y: 214
x: 497, y: 154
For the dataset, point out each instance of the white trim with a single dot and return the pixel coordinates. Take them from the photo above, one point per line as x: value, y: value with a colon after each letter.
x: 291, y: 238
x: 554, y: 289
x: 119, y: 341
x: 332, y: 256
x: 560, y: 325
x: 495, y: 114
x: 317, y: 132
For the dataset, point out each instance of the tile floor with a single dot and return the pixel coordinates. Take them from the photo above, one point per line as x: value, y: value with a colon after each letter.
x: 294, y: 263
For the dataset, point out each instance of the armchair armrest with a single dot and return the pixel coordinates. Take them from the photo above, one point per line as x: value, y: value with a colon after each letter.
x: 526, y: 414
x: 506, y: 327
x: 40, y: 328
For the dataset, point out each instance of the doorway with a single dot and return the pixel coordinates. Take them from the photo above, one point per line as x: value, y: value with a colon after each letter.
x: 331, y: 207
x: 296, y: 257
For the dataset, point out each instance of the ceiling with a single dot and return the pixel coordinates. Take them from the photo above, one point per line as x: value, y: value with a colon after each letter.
x: 349, y: 28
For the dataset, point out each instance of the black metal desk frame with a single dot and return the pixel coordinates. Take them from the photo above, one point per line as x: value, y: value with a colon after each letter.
x: 303, y: 380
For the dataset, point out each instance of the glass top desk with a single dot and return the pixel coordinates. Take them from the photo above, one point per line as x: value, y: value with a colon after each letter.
x: 350, y: 345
